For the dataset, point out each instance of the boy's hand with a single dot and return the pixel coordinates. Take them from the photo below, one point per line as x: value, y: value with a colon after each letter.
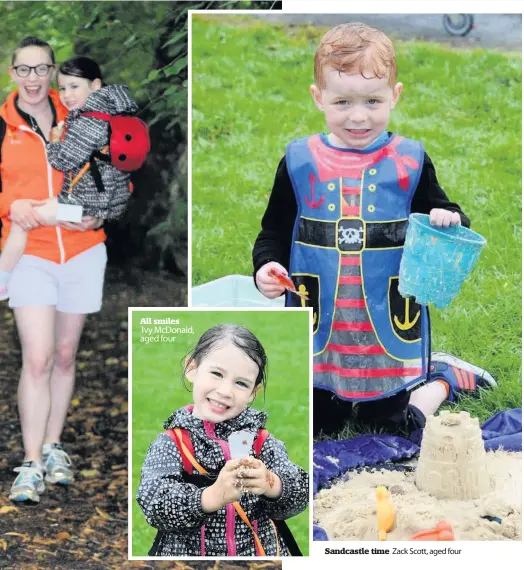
x: 225, y: 490
x: 258, y: 479
x: 444, y: 218
x: 266, y: 284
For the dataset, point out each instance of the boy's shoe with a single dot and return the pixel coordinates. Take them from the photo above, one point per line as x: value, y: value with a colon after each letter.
x: 461, y: 376
x: 57, y: 464
x: 29, y: 484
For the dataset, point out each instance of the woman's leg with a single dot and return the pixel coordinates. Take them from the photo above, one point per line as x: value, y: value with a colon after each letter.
x: 36, y: 328
x: 13, y: 248
x: 68, y: 329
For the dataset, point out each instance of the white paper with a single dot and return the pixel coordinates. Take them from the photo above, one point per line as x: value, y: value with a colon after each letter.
x: 68, y: 213
x: 240, y: 444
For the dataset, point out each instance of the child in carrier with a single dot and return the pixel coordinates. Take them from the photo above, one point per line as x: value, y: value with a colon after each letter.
x: 206, y: 496
x: 99, y: 149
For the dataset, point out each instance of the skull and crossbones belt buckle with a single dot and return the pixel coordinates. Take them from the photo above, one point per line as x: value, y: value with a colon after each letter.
x: 351, y: 235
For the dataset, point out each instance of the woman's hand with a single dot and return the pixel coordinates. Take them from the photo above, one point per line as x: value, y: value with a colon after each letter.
x: 258, y: 479
x: 23, y: 213
x: 225, y: 490
x: 87, y: 223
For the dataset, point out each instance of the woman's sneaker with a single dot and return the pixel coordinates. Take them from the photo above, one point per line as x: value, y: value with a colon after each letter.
x: 57, y: 464
x: 461, y: 376
x: 29, y: 484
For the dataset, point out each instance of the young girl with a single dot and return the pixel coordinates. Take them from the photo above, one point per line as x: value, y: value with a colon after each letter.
x: 203, y: 502
x: 81, y: 90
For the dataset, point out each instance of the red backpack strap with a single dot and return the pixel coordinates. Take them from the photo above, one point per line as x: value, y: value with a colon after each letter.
x: 97, y: 115
x: 186, y: 439
x: 258, y: 444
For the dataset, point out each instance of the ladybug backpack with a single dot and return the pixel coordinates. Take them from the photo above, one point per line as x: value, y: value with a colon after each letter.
x: 127, y: 150
x: 182, y: 440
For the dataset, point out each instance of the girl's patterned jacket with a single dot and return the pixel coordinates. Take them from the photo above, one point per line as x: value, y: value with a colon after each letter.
x: 173, y: 506
x: 83, y: 135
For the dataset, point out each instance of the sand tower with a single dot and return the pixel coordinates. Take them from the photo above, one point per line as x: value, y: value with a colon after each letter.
x: 452, y: 462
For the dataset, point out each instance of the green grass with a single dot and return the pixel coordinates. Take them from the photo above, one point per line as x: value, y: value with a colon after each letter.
x: 157, y: 390
x: 250, y: 98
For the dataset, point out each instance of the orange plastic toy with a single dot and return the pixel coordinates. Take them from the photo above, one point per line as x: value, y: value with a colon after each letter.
x: 284, y: 281
x: 385, y: 512
x: 443, y: 531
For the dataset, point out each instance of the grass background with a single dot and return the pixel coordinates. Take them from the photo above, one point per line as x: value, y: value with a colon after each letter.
x: 157, y: 391
x: 250, y: 82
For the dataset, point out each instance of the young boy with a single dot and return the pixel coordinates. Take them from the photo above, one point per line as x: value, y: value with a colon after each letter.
x: 337, y: 218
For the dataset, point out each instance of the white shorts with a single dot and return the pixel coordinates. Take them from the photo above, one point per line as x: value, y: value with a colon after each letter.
x: 72, y: 287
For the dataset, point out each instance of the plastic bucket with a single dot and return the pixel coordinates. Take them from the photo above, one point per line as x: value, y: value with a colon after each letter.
x: 436, y: 261
x: 231, y: 291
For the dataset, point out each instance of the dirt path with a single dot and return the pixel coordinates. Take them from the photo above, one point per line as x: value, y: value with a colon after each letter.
x: 83, y: 526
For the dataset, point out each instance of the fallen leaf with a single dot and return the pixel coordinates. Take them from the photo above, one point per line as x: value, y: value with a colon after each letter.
x: 87, y: 531
x: 44, y: 541
x: 90, y: 473
x: 75, y: 403
x: 112, y: 361
x: 102, y: 513
x: 63, y: 536
x: 8, y: 509
x: 3, y: 544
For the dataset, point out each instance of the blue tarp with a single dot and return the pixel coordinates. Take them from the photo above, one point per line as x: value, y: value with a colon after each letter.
x: 333, y: 458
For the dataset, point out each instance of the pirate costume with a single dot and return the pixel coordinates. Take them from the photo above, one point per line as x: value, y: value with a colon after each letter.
x: 337, y: 219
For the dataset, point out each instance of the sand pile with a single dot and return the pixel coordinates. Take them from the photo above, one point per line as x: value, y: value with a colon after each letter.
x: 457, y: 481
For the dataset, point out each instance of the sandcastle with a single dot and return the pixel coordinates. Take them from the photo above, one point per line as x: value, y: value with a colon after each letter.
x: 452, y: 462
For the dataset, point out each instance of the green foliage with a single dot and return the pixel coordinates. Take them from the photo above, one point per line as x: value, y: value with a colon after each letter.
x: 157, y: 390
x: 250, y: 98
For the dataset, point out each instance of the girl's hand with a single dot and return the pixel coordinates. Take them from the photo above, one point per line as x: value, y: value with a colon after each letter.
x: 258, y: 479
x: 87, y: 223
x: 266, y: 284
x: 444, y: 218
x: 22, y: 212
x: 225, y: 490
x: 56, y: 132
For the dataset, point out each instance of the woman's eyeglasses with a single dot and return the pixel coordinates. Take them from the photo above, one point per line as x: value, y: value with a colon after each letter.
x: 42, y: 70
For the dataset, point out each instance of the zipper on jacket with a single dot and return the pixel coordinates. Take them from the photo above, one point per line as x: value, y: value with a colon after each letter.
x: 257, y: 550
x: 50, y: 191
x: 230, y: 509
x: 203, y: 540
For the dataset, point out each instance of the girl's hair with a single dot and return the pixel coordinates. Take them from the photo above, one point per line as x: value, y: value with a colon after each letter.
x: 241, y: 337
x: 83, y: 67
x: 30, y: 41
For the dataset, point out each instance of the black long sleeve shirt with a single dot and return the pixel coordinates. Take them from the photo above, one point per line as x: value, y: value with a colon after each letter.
x: 274, y: 240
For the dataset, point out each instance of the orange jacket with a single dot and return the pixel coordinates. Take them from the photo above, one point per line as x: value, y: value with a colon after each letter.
x: 26, y: 174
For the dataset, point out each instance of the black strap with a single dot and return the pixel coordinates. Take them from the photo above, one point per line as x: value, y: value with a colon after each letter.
x: 93, y: 168
x: 288, y: 538
x: 3, y: 128
x: 154, y: 549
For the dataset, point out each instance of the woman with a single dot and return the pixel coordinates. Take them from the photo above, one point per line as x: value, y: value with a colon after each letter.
x: 59, y: 279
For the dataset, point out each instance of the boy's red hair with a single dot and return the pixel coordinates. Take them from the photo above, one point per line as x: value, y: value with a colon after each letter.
x: 356, y: 47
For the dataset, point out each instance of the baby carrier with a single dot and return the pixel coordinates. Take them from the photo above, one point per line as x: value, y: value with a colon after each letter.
x: 127, y: 150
